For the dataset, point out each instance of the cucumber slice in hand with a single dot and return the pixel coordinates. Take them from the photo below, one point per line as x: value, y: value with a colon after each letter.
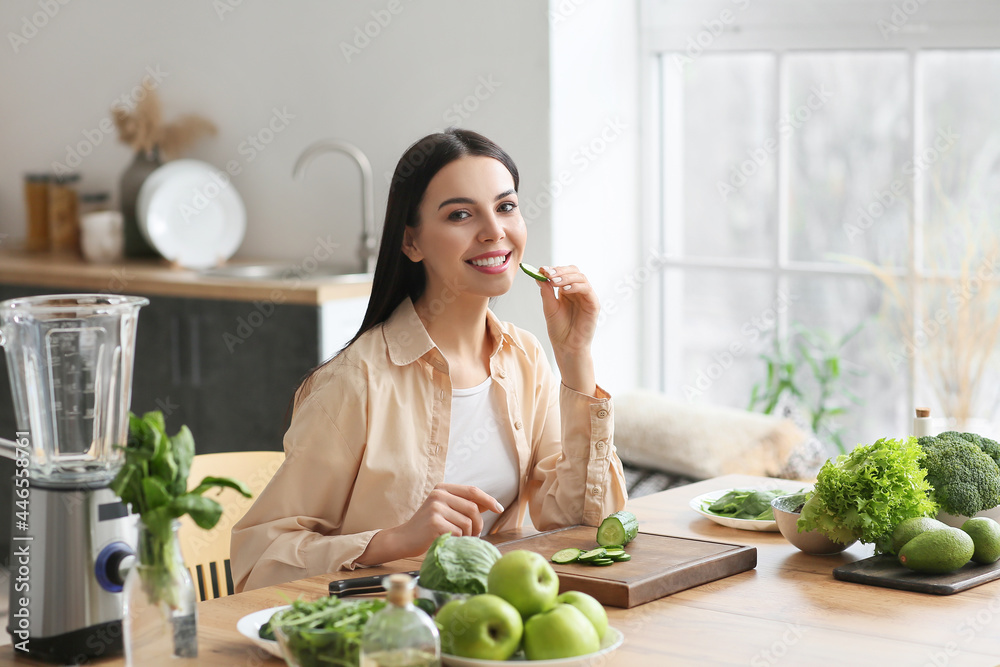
x: 533, y: 272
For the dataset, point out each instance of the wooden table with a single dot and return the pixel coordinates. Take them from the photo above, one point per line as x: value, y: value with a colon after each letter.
x: 788, y: 611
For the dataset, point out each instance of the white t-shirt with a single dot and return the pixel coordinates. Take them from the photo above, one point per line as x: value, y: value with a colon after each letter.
x: 480, y: 449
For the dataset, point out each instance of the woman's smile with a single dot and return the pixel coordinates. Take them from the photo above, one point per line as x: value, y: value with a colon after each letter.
x: 496, y: 261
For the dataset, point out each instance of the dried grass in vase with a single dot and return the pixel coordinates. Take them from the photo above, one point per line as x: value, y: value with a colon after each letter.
x: 948, y: 319
x: 143, y: 128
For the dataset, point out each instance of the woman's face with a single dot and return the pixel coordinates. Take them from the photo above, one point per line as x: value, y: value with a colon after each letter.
x: 470, y: 235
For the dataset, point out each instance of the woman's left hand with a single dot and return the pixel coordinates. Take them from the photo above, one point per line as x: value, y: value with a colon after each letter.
x: 571, y: 320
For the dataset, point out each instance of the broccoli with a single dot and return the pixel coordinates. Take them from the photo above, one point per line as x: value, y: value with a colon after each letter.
x: 964, y: 471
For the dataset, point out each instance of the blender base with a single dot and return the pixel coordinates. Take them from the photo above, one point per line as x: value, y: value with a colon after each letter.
x: 77, y: 647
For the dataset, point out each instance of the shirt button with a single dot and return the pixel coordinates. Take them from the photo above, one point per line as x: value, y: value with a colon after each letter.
x: 441, y: 394
x: 595, y: 491
x: 601, y: 414
x: 502, y: 373
x: 600, y: 444
x: 518, y: 425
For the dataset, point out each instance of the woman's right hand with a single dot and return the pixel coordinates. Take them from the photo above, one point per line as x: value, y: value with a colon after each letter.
x: 450, y: 508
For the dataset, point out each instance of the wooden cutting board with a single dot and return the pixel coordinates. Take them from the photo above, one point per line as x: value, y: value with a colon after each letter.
x: 886, y: 571
x: 660, y: 564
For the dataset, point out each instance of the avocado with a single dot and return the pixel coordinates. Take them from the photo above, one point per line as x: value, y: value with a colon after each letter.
x: 937, y: 551
x: 985, y: 534
x: 910, y: 528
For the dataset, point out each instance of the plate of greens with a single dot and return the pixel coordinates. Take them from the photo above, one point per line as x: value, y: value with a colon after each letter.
x: 250, y: 627
x: 743, y: 508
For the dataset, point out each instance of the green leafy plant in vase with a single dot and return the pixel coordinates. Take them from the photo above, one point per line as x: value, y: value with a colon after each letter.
x: 806, y: 372
x: 154, y: 482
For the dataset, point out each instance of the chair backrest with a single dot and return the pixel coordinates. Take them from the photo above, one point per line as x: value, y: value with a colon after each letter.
x: 206, y: 552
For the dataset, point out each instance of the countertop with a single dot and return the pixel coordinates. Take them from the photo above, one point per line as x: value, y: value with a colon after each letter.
x: 158, y: 277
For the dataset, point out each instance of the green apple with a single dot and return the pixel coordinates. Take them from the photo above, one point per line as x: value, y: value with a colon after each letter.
x: 442, y: 618
x: 561, y: 632
x: 590, y: 607
x: 526, y: 580
x: 484, y: 627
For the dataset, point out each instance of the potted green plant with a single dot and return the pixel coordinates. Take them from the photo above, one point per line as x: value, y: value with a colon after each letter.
x: 159, y: 612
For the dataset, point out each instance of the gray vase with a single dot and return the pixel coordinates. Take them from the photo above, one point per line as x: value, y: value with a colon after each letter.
x: 132, y: 179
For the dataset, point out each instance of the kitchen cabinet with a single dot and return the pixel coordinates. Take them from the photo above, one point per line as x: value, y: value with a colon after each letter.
x: 227, y: 369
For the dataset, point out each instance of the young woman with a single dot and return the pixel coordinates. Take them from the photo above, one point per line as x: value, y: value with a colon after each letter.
x: 437, y: 417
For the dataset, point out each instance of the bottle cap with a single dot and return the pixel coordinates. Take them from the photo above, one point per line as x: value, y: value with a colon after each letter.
x: 923, y: 412
x: 400, y: 587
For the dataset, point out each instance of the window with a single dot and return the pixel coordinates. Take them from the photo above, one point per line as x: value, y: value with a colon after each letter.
x: 797, y: 148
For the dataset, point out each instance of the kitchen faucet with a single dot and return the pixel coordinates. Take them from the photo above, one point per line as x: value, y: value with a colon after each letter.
x: 367, y: 253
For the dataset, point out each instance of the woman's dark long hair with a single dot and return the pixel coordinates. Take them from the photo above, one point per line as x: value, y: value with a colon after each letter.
x: 396, y: 276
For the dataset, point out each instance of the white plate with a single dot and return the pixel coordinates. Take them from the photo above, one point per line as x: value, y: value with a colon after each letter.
x: 191, y: 213
x: 249, y: 627
x: 742, y: 524
x: 612, y: 639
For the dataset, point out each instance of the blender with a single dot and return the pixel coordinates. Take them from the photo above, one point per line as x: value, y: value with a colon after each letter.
x: 70, y: 362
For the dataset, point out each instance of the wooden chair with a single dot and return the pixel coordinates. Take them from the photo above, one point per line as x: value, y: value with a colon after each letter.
x: 206, y: 552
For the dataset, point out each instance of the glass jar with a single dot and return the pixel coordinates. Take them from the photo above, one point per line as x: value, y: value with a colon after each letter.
x: 160, y: 615
x: 401, y: 634
x: 36, y: 199
x: 64, y: 215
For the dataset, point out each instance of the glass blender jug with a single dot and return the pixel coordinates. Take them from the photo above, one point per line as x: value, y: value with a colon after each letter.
x: 70, y: 362
x: 69, y: 358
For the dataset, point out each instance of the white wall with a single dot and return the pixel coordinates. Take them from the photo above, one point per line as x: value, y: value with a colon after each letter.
x: 561, y: 74
x: 236, y: 66
x: 595, y: 170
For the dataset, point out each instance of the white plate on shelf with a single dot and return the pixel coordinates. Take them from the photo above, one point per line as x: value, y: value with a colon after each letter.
x: 612, y: 639
x: 249, y: 626
x: 698, y: 502
x: 191, y: 213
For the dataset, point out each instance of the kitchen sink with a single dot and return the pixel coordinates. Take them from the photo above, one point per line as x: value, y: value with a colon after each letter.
x: 328, y: 273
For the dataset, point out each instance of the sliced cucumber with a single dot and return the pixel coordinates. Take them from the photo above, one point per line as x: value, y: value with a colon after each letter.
x: 618, y: 529
x: 621, y: 558
x: 592, y: 555
x: 609, y: 552
x: 566, y: 556
x: 533, y: 272
x: 602, y: 562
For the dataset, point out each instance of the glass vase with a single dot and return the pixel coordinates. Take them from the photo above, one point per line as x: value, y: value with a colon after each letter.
x: 160, y: 603
x: 131, y: 182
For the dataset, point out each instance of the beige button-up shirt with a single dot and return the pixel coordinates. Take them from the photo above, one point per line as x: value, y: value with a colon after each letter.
x: 368, y: 440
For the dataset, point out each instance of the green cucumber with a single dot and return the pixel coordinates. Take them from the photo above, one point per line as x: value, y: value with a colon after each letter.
x: 602, y: 562
x: 566, y: 556
x: 621, y: 558
x: 593, y: 554
x: 618, y: 529
x: 533, y: 272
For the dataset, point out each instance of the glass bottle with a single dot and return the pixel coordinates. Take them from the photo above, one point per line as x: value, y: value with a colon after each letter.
x: 131, y: 182
x: 160, y: 604
x: 400, y: 635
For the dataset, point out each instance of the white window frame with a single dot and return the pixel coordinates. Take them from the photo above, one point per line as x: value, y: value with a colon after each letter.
x: 779, y: 27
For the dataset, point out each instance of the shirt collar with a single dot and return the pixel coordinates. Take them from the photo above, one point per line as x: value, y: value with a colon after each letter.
x: 407, y: 340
